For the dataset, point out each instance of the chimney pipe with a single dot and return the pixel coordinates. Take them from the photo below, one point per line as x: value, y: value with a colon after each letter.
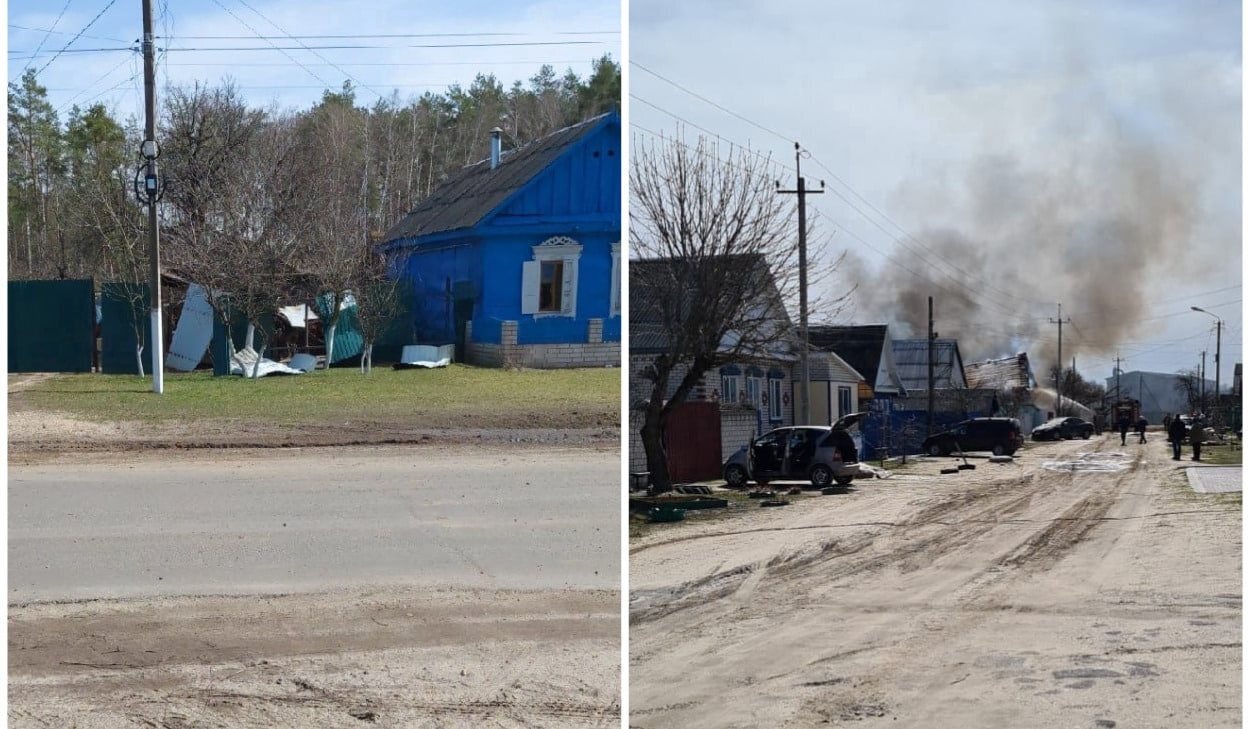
x: 496, y: 146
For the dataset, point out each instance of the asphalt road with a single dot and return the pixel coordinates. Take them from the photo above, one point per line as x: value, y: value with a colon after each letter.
x: 314, y: 519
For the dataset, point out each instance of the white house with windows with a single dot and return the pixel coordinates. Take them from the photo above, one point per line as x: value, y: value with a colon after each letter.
x: 754, y: 395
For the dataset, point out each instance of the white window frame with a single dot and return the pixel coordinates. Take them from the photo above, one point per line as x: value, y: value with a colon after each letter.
x: 775, y: 411
x: 729, y: 389
x: 615, y: 305
x: 753, y: 391
x: 850, y: 400
x: 558, y: 248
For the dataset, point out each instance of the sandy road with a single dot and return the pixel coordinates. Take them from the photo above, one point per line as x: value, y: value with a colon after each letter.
x: 1009, y: 596
x: 394, y: 587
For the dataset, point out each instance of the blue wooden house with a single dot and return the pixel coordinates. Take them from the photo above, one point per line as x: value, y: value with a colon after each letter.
x: 517, y: 258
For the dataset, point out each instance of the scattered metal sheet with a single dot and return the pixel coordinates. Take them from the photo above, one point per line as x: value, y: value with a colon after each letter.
x: 303, y: 362
x: 425, y: 356
x: 192, y: 333
x: 244, y: 363
x: 298, y: 315
x: 1111, y: 462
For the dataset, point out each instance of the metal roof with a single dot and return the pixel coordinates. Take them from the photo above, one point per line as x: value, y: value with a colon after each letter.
x: 477, y: 190
x: 911, y: 358
x: 1001, y: 374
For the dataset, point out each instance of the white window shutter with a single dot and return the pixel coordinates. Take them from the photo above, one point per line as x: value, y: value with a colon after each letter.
x: 530, y: 275
x: 569, y: 295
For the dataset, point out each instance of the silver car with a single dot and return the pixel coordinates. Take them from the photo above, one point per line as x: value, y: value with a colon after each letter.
x: 821, y: 454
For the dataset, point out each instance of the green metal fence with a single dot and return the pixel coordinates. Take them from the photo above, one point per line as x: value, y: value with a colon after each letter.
x: 51, y: 325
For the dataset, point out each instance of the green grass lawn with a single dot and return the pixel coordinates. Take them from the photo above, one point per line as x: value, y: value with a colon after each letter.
x: 455, y: 395
x: 1224, y: 455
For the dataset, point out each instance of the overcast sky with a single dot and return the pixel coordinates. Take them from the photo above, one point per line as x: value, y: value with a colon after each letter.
x: 1044, y: 152
x: 296, y: 77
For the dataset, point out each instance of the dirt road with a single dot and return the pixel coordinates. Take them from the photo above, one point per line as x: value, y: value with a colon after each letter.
x: 1008, y: 596
x: 395, y: 587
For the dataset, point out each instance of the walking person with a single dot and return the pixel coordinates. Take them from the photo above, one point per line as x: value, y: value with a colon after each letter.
x: 1122, y: 424
x: 1176, y: 434
x: 1195, y: 438
x: 1141, y: 428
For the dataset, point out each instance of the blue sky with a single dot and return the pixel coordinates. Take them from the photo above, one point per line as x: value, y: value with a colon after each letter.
x: 269, y: 75
x: 1036, y: 151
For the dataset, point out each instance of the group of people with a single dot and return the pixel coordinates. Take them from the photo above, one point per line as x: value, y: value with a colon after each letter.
x: 1176, y: 429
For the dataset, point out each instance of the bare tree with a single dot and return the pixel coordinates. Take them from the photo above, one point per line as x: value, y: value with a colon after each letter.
x: 1188, y: 384
x: 719, y: 261
x: 119, y: 226
x: 333, y: 205
x: 379, y: 290
x: 207, y: 132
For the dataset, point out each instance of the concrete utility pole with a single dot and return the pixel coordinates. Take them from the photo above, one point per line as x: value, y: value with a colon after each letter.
x: 1118, y: 396
x: 1202, y: 384
x: 805, y: 386
x: 151, y: 192
x: 1059, y: 362
x: 1219, y: 325
x: 929, y: 425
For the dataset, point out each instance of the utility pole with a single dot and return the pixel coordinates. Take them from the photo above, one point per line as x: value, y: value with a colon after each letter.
x: 1218, y: 325
x: 1118, y: 396
x: 151, y: 193
x: 1059, y: 362
x: 1202, y: 384
x: 932, y: 336
x: 805, y: 387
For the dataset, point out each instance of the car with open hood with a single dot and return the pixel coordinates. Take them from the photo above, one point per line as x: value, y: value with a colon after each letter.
x: 822, y: 454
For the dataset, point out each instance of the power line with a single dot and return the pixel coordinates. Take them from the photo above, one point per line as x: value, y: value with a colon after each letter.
x: 387, y: 64
x: 70, y: 50
x: 1003, y: 305
x: 392, y: 47
x: 705, y: 130
x: 345, y: 36
x: 48, y: 33
x: 703, y: 98
x: 884, y: 255
x: 288, y: 55
x: 318, y: 55
x: 76, y: 36
x: 51, y: 31
x: 69, y: 102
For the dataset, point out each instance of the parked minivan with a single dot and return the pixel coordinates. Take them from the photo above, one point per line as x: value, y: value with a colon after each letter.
x: 823, y: 455
x: 1000, y: 436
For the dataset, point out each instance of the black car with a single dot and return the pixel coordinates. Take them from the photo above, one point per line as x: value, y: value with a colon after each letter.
x: 1000, y: 436
x: 1065, y: 428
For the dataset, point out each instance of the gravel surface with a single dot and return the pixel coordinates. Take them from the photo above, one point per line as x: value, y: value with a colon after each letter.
x: 1007, y: 596
x: 394, y: 586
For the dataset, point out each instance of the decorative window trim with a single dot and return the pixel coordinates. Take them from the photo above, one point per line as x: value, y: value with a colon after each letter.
x: 557, y: 248
x: 775, y: 411
x: 754, y: 386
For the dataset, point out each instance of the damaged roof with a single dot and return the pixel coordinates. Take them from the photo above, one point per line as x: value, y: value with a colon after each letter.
x: 1001, y: 374
x: 911, y: 357
x: 862, y: 347
x: 859, y: 346
x: 477, y: 190
x: 647, y: 328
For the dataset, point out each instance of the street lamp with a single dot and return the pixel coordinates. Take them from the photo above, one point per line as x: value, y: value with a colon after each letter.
x: 1219, y: 325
